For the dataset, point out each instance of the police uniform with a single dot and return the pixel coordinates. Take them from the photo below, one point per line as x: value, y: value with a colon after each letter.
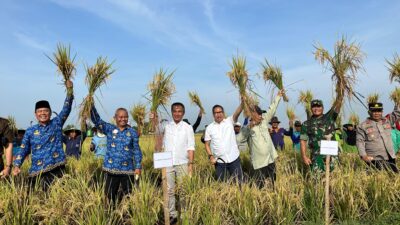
x: 374, y: 139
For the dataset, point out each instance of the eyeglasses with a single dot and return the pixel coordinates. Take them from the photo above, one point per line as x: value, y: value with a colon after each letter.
x: 218, y: 112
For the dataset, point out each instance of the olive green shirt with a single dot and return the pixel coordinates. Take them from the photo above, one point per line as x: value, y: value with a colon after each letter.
x: 262, y: 150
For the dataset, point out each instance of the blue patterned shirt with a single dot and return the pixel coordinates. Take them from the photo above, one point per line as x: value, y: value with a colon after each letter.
x: 123, y: 154
x: 44, y: 142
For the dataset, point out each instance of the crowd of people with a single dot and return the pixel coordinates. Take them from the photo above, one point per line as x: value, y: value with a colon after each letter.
x: 375, y: 139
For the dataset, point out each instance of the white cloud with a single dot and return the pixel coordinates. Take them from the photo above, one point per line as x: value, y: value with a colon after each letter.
x: 30, y: 42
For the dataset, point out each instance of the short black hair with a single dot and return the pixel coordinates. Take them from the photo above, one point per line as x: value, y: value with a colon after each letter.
x: 177, y: 104
x: 217, y: 106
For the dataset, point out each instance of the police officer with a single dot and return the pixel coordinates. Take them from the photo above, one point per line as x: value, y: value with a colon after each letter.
x: 374, y: 141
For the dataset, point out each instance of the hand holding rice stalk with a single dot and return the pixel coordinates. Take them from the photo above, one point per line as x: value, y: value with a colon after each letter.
x: 290, y: 113
x: 161, y: 89
x: 394, y: 68
x: 274, y: 75
x: 373, y: 98
x: 138, y: 113
x: 344, y: 64
x: 354, y: 119
x: 96, y: 76
x: 240, y: 79
x: 395, y: 96
x: 305, y: 98
x: 66, y: 67
x: 194, y: 98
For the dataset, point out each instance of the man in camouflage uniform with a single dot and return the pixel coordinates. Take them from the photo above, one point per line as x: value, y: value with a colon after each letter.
x: 374, y: 140
x: 319, y: 127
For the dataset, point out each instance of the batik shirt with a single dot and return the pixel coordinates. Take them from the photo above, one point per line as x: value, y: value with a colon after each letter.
x: 316, y: 129
x: 44, y: 142
x: 123, y: 154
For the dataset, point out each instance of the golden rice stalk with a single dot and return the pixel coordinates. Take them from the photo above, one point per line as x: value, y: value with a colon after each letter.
x: 394, y: 68
x: 395, y: 96
x: 12, y: 124
x: 96, y: 76
x: 194, y: 98
x: 290, y: 113
x: 373, y: 98
x: 273, y: 74
x: 344, y: 63
x: 161, y: 89
x: 305, y: 98
x: 354, y: 119
x: 138, y: 113
x: 240, y: 79
x: 65, y: 65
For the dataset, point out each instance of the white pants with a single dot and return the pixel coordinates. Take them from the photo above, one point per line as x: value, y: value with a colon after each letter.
x: 174, y: 173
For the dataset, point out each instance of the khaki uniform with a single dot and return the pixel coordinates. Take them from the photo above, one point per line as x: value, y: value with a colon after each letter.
x: 374, y: 138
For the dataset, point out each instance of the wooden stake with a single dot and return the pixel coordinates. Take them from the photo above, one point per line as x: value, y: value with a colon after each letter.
x: 158, y: 146
x: 327, y: 175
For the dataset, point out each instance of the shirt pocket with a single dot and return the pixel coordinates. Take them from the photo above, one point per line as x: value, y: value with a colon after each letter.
x: 371, y: 133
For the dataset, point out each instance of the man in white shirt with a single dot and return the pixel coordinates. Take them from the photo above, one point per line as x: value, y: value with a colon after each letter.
x: 221, y: 145
x: 178, y: 139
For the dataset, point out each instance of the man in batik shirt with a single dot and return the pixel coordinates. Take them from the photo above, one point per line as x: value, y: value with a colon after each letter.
x: 123, y: 158
x: 44, y: 142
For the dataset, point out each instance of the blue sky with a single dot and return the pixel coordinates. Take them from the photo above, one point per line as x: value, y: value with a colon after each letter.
x: 197, y: 38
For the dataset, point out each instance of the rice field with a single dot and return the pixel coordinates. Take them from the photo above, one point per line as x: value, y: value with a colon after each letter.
x: 357, y: 197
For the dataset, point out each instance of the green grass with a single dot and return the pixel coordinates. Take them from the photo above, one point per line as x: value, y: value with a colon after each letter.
x: 298, y: 198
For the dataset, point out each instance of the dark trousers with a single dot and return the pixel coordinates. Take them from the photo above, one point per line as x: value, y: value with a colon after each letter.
x: 384, y: 165
x: 44, y: 180
x: 225, y: 171
x: 114, y: 182
x: 266, y: 172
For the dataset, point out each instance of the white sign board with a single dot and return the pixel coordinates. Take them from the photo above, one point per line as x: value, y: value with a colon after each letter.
x: 329, y: 148
x: 162, y: 159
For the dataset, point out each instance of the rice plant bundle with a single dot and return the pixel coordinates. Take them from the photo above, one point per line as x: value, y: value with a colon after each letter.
x: 344, y: 63
x: 290, y: 113
x: 138, y: 113
x: 12, y: 124
x: 395, y: 96
x: 161, y: 89
x: 354, y: 119
x: 305, y: 98
x: 96, y: 76
x: 394, y: 68
x: 373, y: 98
x: 240, y: 79
x: 65, y: 65
x: 194, y: 98
x: 273, y: 74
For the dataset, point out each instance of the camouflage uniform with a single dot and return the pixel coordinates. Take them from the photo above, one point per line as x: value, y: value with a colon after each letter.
x: 316, y: 129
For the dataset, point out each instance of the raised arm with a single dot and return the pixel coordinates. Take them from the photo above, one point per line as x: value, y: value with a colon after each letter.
x: 197, y: 123
x: 237, y: 112
x: 98, y: 122
x: 66, y: 110
x: 272, y: 108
